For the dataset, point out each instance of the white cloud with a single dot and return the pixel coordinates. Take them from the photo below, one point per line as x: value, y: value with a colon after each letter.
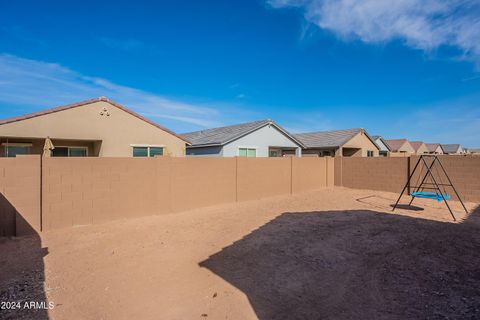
x: 38, y: 84
x: 421, y: 24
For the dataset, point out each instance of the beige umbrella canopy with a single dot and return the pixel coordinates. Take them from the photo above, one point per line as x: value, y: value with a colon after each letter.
x: 48, y: 147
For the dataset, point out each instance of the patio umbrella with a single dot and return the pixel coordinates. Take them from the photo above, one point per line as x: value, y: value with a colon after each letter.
x: 48, y: 147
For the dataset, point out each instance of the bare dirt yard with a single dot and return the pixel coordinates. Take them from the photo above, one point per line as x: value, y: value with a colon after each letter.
x: 330, y: 254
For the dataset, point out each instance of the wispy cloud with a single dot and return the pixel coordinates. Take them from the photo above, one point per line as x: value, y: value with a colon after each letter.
x: 421, y: 24
x: 38, y: 84
x: 122, y: 44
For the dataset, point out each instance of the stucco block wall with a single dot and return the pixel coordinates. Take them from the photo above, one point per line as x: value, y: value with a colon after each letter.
x: 202, y: 182
x: 386, y: 174
x: 19, y: 195
x: 464, y: 171
x: 311, y: 173
x: 390, y: 174
x: 79, y: 191
x: 264, y: 177
x: 51, y: 193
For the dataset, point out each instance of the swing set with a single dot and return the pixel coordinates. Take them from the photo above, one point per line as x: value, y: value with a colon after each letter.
x: 430, y: 184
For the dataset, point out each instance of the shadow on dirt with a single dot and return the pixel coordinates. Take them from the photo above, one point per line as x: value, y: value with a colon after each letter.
x: 356, y: 264
x: 408, y: 207
x: 22, y: 276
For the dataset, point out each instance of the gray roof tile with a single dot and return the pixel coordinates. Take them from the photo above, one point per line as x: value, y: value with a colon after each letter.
x: 224, y: 135
x: 432, y: 147
x: 327, y: 139
x: 450, y: 148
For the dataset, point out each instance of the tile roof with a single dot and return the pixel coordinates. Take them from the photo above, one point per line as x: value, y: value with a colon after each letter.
x: 416, y: 144
x: 223, y: 135
x: 327, y: 139
x: 450, y: 148
x: 84, y: 103
x: 396, y: 144
x: 432, y: 146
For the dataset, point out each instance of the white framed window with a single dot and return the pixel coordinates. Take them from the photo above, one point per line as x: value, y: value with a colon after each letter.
x: 250, y: 152
x: 12, y: 149
x: 369, y: 153
x: 147, y: 150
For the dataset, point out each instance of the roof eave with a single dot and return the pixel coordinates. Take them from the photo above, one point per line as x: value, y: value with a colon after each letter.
x: 206, y: 145
x: 90, y: 101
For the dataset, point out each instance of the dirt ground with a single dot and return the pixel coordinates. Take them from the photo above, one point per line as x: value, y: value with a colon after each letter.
x: 330, y: 254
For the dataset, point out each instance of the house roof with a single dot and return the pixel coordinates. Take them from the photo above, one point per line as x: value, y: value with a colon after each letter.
x: 329, y: 139
x: 432, y: 146
x: 375, y: 138
x: 416, y: 144
x: 450, y: 148
x: 84, y: 103
x: 396, y: 144
x: 223, y: 135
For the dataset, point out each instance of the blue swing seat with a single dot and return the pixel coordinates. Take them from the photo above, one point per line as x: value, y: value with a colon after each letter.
x: 430, y: 195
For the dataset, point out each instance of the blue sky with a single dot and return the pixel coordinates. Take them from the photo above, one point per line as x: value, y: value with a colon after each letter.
x: 408, y: 68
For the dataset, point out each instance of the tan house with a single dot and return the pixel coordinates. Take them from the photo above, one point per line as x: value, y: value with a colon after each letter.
x: 475, y: 151
x: 97, y: 127
x: 400, y: 148
x: 420, y: 147
x: 343, y: 143
x: 434, y: 148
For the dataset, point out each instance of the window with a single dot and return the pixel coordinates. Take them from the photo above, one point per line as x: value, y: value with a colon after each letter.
x: 140, y: 151
x: 12, y: 149
x: 247, y: 152
x: 273, y: 153
x: 156, y: 151
x: 70, y: 152
x: 369, y: 153
x: 147, y: 151
x: 77, y: 152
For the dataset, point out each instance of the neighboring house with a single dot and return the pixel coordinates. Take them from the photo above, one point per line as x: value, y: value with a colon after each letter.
x: 434, y: 148
x: 346, y: 143
x: 453, y: 149
x: 474, y: 151
x: 97, y: 127
x: 400, y: 147
x: 382, y: 145
x: 262, y: 138
x: 420, y: 147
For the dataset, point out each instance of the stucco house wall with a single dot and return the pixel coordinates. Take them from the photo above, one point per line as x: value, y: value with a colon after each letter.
x: 422, y: 150
x: 106, y: 129
x: 261, y: 140
x: 364, y: 143
x: 438, y: 150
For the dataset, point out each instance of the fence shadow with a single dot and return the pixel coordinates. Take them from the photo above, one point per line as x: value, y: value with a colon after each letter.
x: 22, y: 275
x: 356, y: 264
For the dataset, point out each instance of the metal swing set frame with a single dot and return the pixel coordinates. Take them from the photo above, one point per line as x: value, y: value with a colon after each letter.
x: 434, y: 185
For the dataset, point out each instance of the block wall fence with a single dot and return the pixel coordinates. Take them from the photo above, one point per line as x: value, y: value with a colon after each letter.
x: 39, y: 194
x: 390, y: 174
